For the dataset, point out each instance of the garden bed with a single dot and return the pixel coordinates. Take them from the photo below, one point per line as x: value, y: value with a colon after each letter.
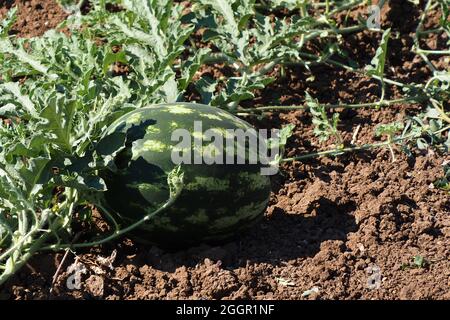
x: 329, y: 218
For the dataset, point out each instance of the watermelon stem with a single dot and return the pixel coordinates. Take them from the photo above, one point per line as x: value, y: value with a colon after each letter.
x: 340, y: 151
x: 245, y: 111
x: 337, y: 151
x: 109, y: 216
x: 175, y: 181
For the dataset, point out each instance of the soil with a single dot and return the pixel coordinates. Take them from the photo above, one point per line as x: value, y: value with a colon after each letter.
x: 34, y: 17
x: 333, y: 224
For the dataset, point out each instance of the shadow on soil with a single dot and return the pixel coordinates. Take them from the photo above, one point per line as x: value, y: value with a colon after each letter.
x: 280, y: 238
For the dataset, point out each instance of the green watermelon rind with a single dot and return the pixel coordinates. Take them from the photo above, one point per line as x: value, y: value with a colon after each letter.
x: 218, y: 202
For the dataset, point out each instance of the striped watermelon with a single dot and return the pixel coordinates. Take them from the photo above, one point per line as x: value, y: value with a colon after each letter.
x: 218, y: 201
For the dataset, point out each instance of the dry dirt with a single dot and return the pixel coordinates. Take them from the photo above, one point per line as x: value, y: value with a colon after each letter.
x: 330, y: 221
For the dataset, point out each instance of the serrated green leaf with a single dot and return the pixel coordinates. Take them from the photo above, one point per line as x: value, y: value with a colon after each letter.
x: 379, y: 60
x: 206, y: 87
x: 8, y: 22
x: 57, y: 119
x: 24, y: 100
x: 191, y: 66
x: 223, y: 7
x: 24, y: 57
x: 388, y: 129
x: 35, y: 173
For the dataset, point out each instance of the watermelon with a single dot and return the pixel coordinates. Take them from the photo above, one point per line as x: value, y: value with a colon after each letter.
x: 218, y: 201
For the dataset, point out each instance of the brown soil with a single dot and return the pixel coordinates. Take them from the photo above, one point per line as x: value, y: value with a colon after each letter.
x: 329, y: 219
x: 34, y: 17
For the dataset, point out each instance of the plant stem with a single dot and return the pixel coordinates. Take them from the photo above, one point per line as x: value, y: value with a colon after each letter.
x: 440, y: 109
x: 340, y: 151
x: 442, y: 130
x: 118, y: 233
x: 22, y: 259
x: 329, y: 106
x: 28, y: 244
x: 337, y: 151
x: 436, y: 30
x: 417, y: 49
x: 349, y: 68
x: 440, y: 52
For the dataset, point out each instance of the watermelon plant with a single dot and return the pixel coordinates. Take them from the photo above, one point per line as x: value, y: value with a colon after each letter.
x: 75, y: 132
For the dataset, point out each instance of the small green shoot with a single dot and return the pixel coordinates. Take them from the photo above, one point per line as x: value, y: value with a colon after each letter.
x: 389, y: 130
x: 324, y: 127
